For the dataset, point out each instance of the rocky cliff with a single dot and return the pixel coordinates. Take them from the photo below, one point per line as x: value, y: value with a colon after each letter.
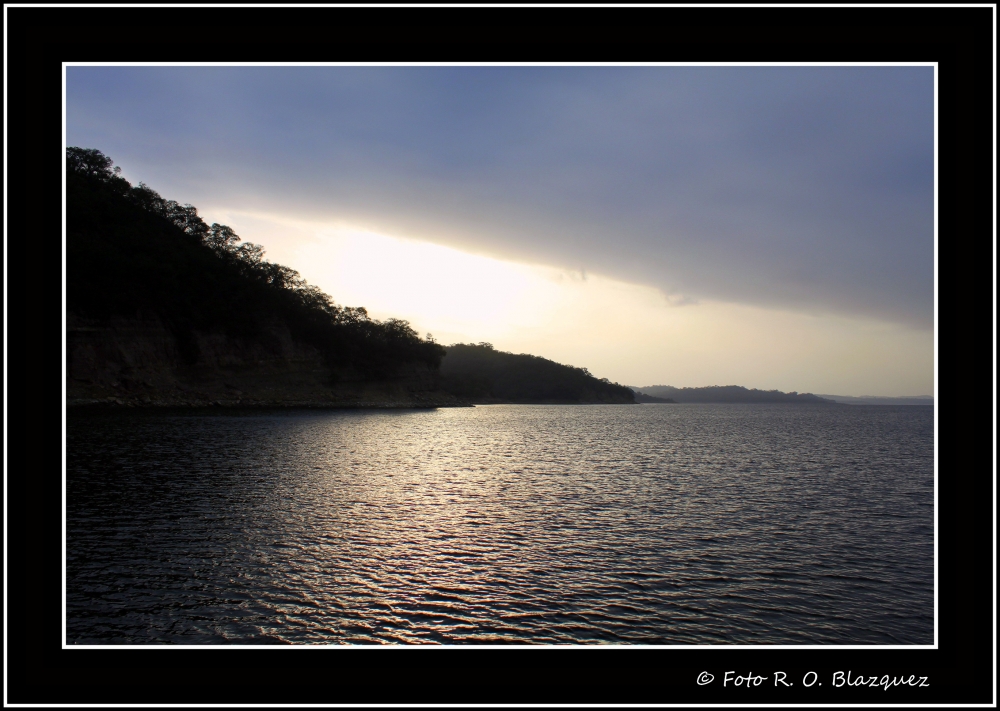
x: 142, y: 362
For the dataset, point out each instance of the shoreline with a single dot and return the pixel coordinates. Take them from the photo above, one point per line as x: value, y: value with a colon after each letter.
x: 139, y: 403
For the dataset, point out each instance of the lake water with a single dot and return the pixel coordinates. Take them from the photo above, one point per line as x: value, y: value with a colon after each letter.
x: 636, y: 524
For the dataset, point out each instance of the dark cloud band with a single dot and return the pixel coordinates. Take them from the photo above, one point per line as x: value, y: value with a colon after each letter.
x: 808, y: 188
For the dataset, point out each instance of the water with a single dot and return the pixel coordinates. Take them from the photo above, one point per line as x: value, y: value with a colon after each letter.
x: 650, y: 524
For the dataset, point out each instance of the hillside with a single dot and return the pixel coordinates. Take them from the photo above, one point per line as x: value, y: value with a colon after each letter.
x: 730, y: 393
x: 642, y: 397
x: 165, y: 309
x: 480, y: 373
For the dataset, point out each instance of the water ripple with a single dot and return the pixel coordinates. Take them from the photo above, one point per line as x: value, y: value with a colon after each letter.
x: 656, y: 524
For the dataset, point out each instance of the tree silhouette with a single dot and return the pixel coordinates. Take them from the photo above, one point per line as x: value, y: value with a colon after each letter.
x: 130, y: 252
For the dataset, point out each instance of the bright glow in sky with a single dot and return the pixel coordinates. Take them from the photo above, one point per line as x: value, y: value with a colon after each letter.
x: 629, y: 333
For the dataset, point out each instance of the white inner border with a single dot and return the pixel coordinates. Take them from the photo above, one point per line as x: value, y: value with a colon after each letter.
x: 507, y: 646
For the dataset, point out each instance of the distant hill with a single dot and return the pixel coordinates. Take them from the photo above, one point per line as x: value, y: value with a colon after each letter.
x: 926, y: 400
x: 482, y: 374
x: 729, y: 393
x: 643, y: 397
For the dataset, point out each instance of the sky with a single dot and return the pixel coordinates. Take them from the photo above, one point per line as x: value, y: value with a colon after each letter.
x: 771, y: 227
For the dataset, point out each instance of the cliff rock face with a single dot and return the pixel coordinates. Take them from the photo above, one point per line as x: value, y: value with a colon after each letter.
x: 143, y: 362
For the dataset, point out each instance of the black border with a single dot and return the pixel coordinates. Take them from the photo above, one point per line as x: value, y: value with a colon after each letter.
x: 961, y: 671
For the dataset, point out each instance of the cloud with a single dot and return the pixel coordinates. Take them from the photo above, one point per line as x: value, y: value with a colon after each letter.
x: 802, y: 188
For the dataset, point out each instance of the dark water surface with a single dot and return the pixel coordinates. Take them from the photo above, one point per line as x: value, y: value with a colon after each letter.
x: 652, y: 524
